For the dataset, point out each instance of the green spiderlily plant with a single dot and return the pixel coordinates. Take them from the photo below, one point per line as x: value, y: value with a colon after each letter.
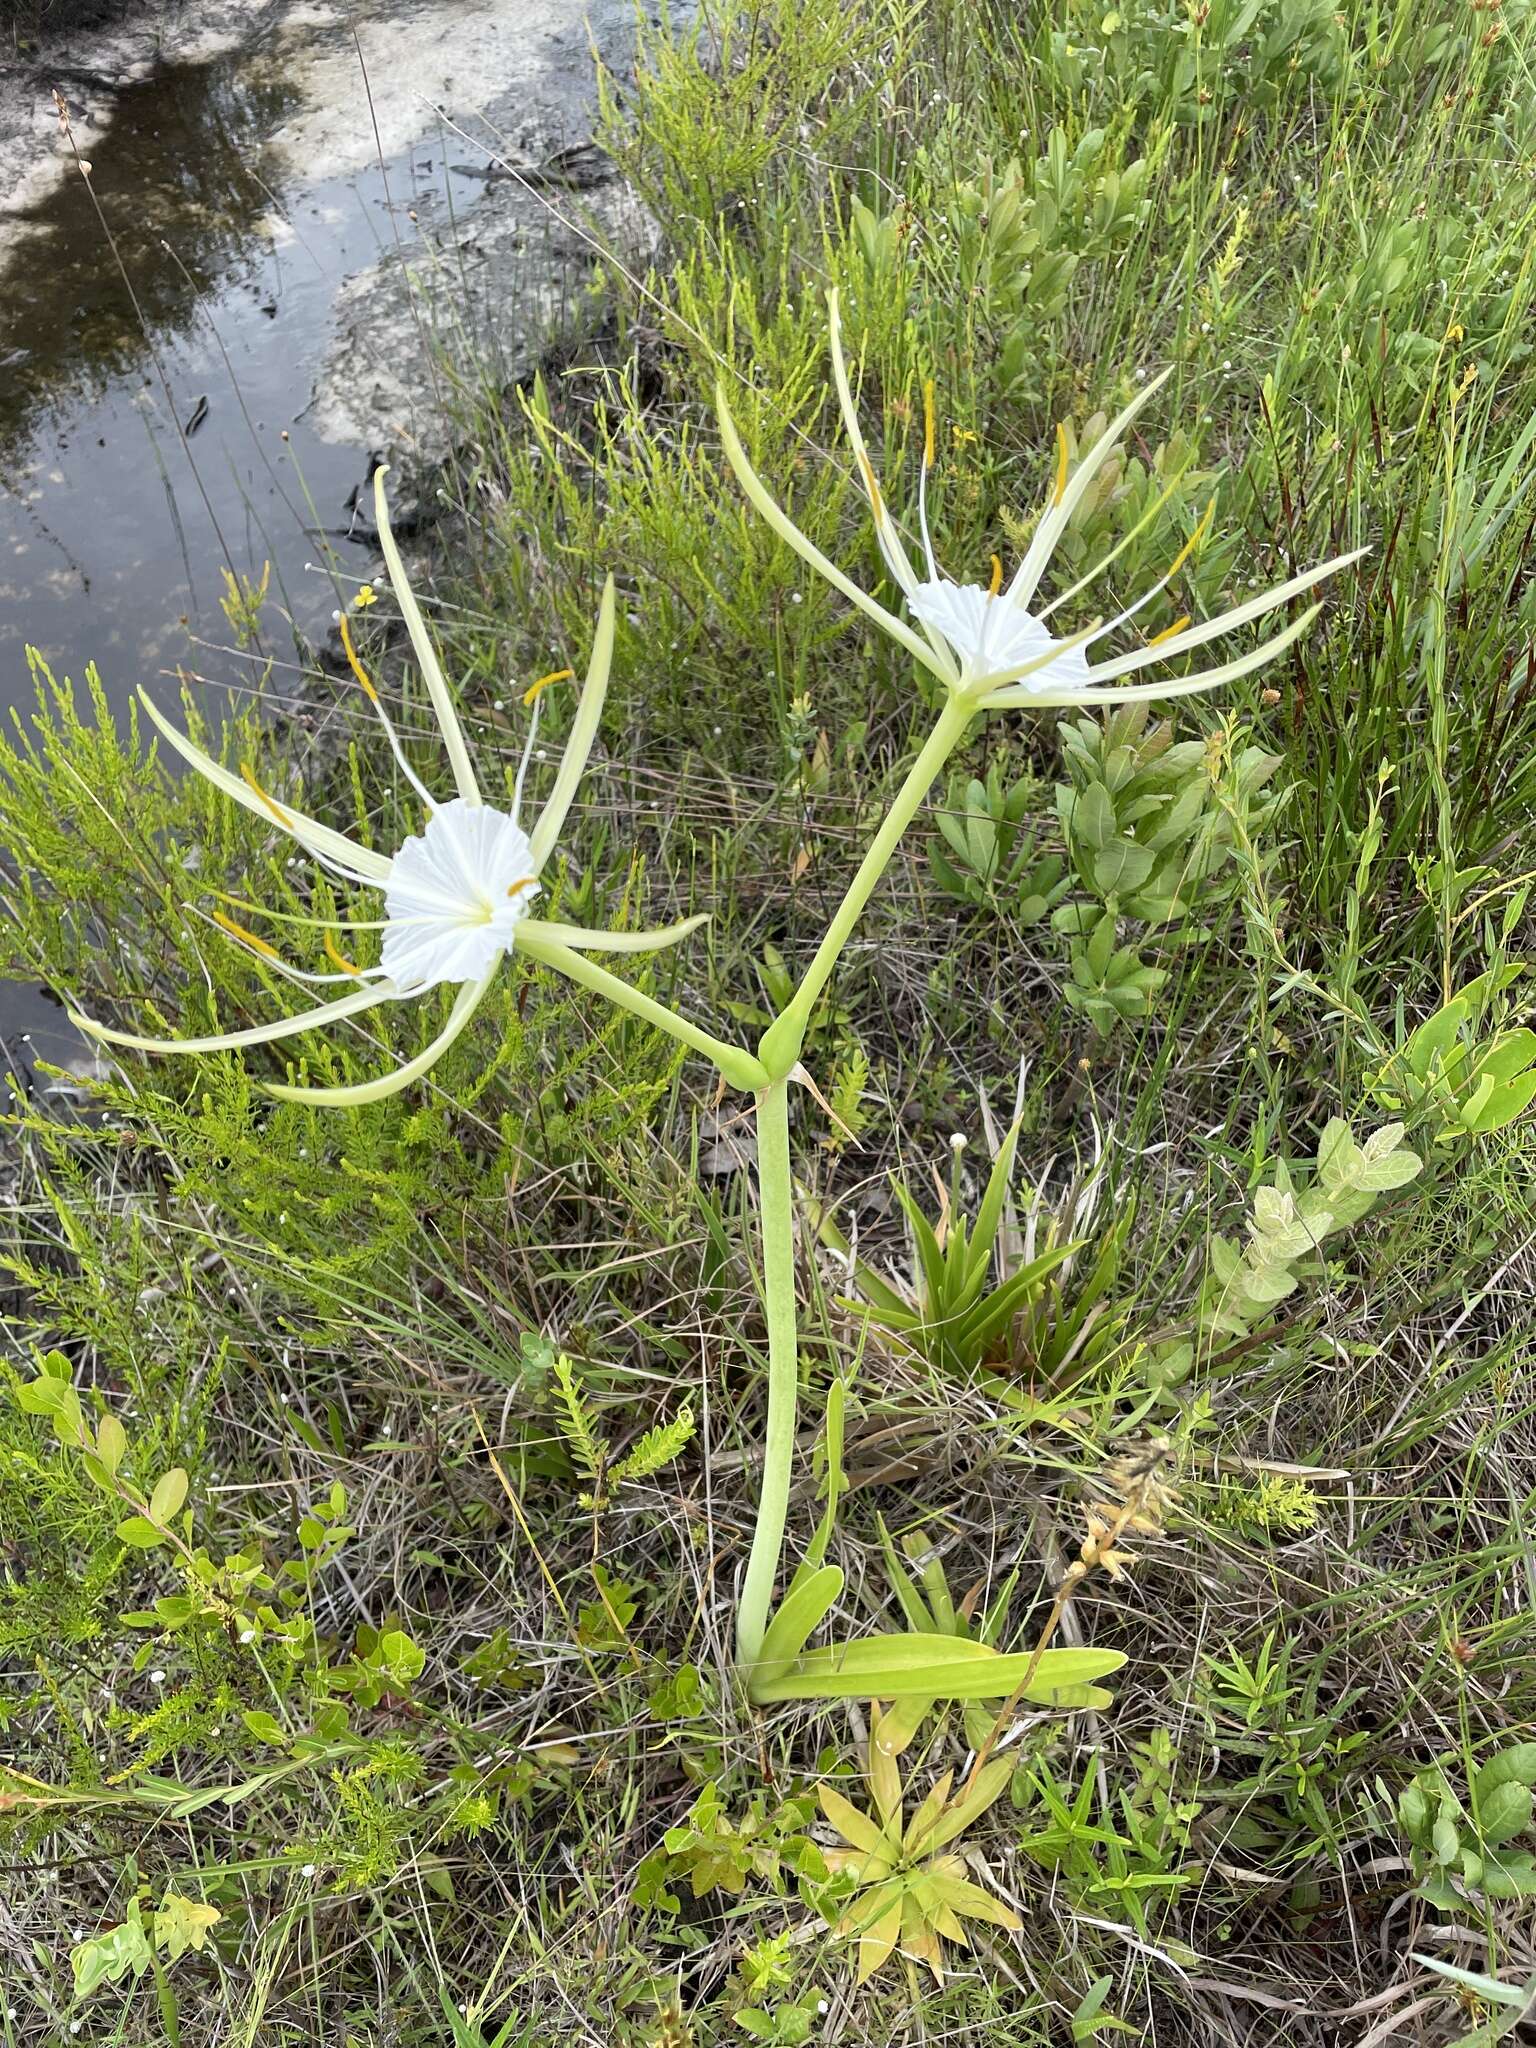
x: 460, y: 896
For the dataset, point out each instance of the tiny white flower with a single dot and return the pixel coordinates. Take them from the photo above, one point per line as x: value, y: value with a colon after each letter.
x: 308, y: 1870
x: 157, y: 1678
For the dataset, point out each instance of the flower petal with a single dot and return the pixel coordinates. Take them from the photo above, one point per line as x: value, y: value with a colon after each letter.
x: 1181, y: 686
x: 1054, y: 520
x: 808, y: 551
x: 1210, y: 629
x: 891, y: 548
x: 314, y: 837
x: 258, y: 1034
x: 465, y: 1004
x: 589, y: 941
x: 426, y: 657
x: 573, y: 762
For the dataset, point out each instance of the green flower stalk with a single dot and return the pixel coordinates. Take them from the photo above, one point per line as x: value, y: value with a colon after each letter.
x: 990, y: 652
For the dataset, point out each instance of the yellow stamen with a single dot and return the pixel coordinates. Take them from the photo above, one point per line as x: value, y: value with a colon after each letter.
x: 1168, y: 631
x: 246, y: 938
x: 556, y: 675
x: 354, y: 664
x: 334, y: 954
x: 929, y: 437
x: 1192, y: 543
x: 527, y: 882
x: 1063, y: 456
x: 997, y: 576
x: 272, y: 805
x: 870, y: 485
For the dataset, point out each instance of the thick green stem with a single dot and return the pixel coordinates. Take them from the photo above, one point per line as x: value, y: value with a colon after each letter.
x: 734, y: 1062
x: 781, y: 1042
x: 780, y: 1052
x: 776, y: 1214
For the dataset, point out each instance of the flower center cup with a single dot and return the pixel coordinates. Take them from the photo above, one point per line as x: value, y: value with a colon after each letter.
x: 456, y: 893
x: 994, y: 636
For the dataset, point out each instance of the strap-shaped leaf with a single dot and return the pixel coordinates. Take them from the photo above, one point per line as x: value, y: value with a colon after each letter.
x: 862, y: 1830
x: 992, y: 1781
x: 911, y: 1601
x: 891, y: 1667
x: 800, y: 1613
x: 999, y: 1307
x: 990, y: 1215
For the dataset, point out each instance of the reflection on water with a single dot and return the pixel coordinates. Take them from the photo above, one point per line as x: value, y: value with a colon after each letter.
x: 152, y: 424
x: 180, y: 191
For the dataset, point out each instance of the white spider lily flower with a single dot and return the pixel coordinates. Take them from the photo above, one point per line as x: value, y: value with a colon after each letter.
x: 458, y: 896
x: 983, y: 642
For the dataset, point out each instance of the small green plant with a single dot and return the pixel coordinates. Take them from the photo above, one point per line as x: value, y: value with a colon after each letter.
x: 983, y: 856
x: 1300, y: 1747
x: 1146, y: 836
x: 1125, y: 1854
x: 1460, y: 1070
x: 953, y: 1318
x: 1465, y: 1846
x: 909, y: 1890
x: 242, y: 602
x: 716, y: 1851
x: 592, y: 1453
x: 136, y: 1944
x: 767, y: 1969
x: 1046, y: 1316
x: 1286, y: 1231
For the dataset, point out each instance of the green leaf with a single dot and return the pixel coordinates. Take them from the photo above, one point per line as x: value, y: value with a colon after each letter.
x: 399, y: 1658
x: 266, y: 1728
x: 892, y: 1667
x: 182, y: 1923
x: 908, y: 1596
x: 110, y: 1956
x: 1338, y: 1156
x: 1504, y: 1813
x: 139, y: 1534
x: 170, y: 1491
x: 801, y: 1612
x: 1488, y: 1988
x: 46, y: 1396
x: 1513, y: 1766
x: 859, y: 1828
x: 994, y: 1201
x: 111, y: 1444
